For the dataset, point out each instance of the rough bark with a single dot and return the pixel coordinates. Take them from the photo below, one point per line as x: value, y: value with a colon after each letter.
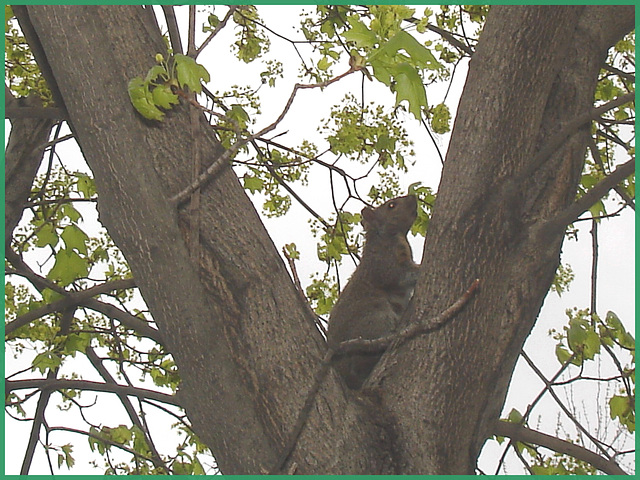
x: 534, y: 69
x: 243, y: 341
x: 22, y: 158
x: 245, y: 345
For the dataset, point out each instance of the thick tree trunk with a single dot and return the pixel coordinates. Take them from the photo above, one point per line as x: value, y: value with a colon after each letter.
x: 245, y: 345
x: 535, y: 68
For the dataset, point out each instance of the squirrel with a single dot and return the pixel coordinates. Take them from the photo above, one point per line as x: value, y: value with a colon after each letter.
x: 378, y: 292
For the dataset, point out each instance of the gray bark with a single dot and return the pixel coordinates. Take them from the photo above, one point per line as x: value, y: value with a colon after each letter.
x: 534, y: 69
x: 245, y: 345
x: 22, y: 158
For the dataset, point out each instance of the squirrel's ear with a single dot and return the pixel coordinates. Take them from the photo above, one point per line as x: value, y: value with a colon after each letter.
x: 368, y: 216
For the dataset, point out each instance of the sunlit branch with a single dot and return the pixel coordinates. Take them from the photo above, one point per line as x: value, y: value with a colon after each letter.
x: 522, y: 434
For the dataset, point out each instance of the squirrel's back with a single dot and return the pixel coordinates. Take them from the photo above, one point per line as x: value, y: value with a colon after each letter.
x: 376, y: 296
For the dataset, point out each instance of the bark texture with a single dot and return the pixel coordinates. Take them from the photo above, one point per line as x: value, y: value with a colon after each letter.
x: 534, y: 69
x: 245, y: 345
x: 228, y: 311
x: 22, y: 158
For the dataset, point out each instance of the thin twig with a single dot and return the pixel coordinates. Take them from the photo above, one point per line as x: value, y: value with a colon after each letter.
x: 128, y: 406
x: 579, y: 426
x: 220, y: 26
x: 223, y: 159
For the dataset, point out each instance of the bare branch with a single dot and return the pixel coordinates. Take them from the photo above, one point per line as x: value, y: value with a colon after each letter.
x: 569, y: 129
x: 448, y: 36
x: 223, y: 159
x: 221, y: 25
x: 172, y: 25
x: 571, y: 213
x: 563, y: 407
x: 46, y: 384
x: 128, y: 406
x: 72, y: 299
x: 104, y: 440
x: 523, y: 434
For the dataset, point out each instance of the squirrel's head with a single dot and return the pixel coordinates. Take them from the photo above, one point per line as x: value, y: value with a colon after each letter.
x: 392, y: 217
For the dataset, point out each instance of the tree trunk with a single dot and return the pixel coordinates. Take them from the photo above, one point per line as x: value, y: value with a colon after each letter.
x: 245, y: 344
x: 534, y: 69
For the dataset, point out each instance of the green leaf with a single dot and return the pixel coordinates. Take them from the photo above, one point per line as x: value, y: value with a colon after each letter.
x: 409, y: 87
x: 74, y: 238
x: 253, y: 184
x: 324, y: 64
x: 68, y: 267
x: 441, y: 116
x: 121, y: 435
x: 76, y: 342
x: 420, y: 55
x: 359, y: 33
x: 514, y: 416
x: 623, y: 409
x: 68, y: 459
x: 142, y: 100
x: 46, y: 361
x: 156, y: 71
x: 562, y: 354
x: 47, y: 235
x: 190, y: 73
x: 616, y: 328
x: 164, y: 97
x: 85, y: 185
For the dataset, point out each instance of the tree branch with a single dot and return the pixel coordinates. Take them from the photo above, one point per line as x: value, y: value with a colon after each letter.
x: 223, y: 159
x: 571, y: 128
x: 571, y: 213
x: 128, y: 406
x: 172, y: 25
x: 221, y: 25
x: 47, y: 385
x: 525, y: 435
x: 72, y: 299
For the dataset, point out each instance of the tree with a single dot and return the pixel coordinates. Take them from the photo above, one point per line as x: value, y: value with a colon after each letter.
x: 245, y: 342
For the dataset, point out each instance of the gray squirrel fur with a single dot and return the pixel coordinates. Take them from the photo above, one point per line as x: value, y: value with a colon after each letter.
x: 378, y: 292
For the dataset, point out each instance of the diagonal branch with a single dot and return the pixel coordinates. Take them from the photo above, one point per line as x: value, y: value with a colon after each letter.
x: 525, y: 435
x: 221, y: 25
x: 571, y: 213
x: 128, y: 406
x: 571, y: 128
x: 562, y: 405
x: 72, y: 299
